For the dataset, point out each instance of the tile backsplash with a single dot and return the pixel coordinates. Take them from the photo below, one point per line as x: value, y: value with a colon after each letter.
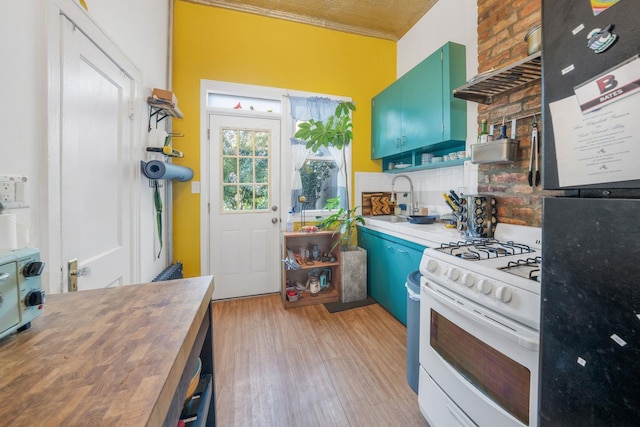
x: 428, y: 185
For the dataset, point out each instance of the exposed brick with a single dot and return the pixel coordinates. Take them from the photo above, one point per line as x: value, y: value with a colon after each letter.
x: 506, y: 178
x: 531, y: 7
x: 502, y: 27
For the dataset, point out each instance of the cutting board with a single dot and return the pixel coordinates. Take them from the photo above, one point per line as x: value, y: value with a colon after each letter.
x: 378, y: 203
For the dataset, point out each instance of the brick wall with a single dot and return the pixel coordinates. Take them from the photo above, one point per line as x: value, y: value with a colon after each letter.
x: 502, y: 27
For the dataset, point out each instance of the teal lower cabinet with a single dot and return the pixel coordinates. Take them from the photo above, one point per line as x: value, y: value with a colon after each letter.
x: 389, y: 261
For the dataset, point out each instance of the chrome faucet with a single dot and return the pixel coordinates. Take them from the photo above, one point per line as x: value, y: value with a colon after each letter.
x: 412, y: 209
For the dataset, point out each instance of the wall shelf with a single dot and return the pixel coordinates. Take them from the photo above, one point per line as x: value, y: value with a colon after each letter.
x: 420, y: 167
x: 483, y: 87
x: 161, y: 110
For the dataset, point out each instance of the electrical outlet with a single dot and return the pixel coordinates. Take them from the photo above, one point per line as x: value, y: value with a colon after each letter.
x: 7, y: 191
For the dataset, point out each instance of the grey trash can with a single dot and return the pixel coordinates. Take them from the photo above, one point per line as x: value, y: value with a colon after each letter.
x: 413, y: 329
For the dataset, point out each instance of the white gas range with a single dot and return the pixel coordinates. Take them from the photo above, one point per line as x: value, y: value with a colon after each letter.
x: 479, y: 340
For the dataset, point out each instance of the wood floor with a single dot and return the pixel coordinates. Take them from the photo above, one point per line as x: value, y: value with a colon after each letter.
x: 306, y: 367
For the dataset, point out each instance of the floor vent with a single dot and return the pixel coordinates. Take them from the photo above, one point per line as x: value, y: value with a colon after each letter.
x: 174, y: 271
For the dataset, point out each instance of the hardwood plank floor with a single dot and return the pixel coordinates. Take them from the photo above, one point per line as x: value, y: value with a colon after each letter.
x: 307, y: 367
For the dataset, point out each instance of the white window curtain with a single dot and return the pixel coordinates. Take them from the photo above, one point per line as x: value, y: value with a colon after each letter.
x: 304, y: 109
x: 299, y: 153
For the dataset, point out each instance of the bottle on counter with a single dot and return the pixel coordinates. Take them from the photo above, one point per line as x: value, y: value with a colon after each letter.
x: 290, y: 220
x: 483, y: 136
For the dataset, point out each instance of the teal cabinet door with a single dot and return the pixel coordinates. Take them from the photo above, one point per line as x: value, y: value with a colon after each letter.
x: 406, y: 260
x: 389, y: 261
x: 386, y: 122
x: 376, y: 271
x: 418, y: 112
x: 422, y: 104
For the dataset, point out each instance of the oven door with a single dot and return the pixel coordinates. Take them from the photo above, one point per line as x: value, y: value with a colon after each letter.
x: 480, y: 365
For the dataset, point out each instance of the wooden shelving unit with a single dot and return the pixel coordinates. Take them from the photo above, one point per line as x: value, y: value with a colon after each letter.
x: 296, y: 240
x: 484, y: 87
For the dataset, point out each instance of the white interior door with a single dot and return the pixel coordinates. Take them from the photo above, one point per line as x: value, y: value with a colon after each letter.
x: 96, y: 177
x: 244, y: 214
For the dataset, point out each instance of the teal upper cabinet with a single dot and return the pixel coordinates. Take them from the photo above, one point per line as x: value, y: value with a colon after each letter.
x: 419, y: 110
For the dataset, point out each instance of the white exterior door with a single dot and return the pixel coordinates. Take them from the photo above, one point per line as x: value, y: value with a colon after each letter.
x: 244, y: 213
x: 96, y: 176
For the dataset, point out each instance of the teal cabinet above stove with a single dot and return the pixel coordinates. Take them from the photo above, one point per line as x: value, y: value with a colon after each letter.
x: 418, y: 111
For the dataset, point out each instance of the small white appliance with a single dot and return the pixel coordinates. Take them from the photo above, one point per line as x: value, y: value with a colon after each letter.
x: 21, y: 296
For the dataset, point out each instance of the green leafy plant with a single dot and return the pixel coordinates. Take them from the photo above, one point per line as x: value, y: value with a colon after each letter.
x: 336, y: 132
x: 342, y: 221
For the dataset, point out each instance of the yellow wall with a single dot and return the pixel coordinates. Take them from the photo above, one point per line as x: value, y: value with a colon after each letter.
x: 218, y: 44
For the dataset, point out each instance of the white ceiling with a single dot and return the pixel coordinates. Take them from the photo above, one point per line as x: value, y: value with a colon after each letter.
x: 385, y: 19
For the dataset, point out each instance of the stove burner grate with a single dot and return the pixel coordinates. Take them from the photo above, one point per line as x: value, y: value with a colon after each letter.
x: 478, y: 249
x: 532, y: 263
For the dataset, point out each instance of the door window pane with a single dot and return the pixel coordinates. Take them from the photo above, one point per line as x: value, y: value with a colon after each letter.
x: 245, y: 170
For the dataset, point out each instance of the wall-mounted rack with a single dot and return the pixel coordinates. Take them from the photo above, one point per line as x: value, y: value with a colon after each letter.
x: 483, y: 87
x: 161, y: 110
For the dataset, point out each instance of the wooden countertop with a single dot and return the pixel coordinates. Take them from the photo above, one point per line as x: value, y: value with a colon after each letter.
x: 108, y: 357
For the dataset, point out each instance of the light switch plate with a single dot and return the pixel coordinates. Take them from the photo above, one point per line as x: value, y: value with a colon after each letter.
x: 195, y: 187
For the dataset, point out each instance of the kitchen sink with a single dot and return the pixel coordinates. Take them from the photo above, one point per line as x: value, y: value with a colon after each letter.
x: 390, y: 218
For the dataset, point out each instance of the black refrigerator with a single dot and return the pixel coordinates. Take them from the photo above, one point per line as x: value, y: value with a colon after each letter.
x: 590, y: 317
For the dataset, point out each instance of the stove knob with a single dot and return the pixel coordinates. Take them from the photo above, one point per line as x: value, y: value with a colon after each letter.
x: 432, y: 265
x: 468, y: 280
x: 453, y: 274
x: 503, y: 294
x: 485, y: 286
x: 34, y: 298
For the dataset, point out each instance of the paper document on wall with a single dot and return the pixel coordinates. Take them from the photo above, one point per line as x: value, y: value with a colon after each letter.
x: 597, y: 147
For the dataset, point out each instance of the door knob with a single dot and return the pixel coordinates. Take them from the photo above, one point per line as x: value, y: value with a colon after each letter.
x: 74, y: 273
x: 274, y: 220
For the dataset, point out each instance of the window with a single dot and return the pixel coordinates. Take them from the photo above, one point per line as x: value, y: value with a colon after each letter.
x: 316, y: 176
x: 236, y: 102
x: 245, y: 169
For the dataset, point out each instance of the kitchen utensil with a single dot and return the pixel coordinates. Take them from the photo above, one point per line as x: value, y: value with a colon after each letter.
x: 455, y: 197
x: 503, y: 130
x: 534, y: 40
x: 421, y: 219
x: 450, y: 202
x: 534, y: 179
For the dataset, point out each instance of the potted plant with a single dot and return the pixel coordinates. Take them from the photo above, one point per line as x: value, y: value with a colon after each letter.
x: 337, y: 132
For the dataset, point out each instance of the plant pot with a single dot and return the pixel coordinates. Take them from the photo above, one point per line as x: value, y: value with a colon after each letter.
x: 353, y: 267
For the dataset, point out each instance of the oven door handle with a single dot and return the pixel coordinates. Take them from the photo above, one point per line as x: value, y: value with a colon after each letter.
x: 523, y: 341
x: 459, y: 420
x: 4, y: 276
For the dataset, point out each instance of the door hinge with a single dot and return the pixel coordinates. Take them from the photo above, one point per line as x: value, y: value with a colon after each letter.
x: 209, y: 134
x: 132, y: 110
x: 209, y: 208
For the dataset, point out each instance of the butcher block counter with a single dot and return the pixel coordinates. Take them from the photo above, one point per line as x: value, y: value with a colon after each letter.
x: 120, y: 356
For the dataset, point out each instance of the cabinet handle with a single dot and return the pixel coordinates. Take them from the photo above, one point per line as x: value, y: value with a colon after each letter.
x: 389, y: 247
x: 404, y: 141
x: 402, y: 251
x: 398, y: 144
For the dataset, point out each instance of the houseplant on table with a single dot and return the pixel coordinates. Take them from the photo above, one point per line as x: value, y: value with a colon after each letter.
x: 336, y: 132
